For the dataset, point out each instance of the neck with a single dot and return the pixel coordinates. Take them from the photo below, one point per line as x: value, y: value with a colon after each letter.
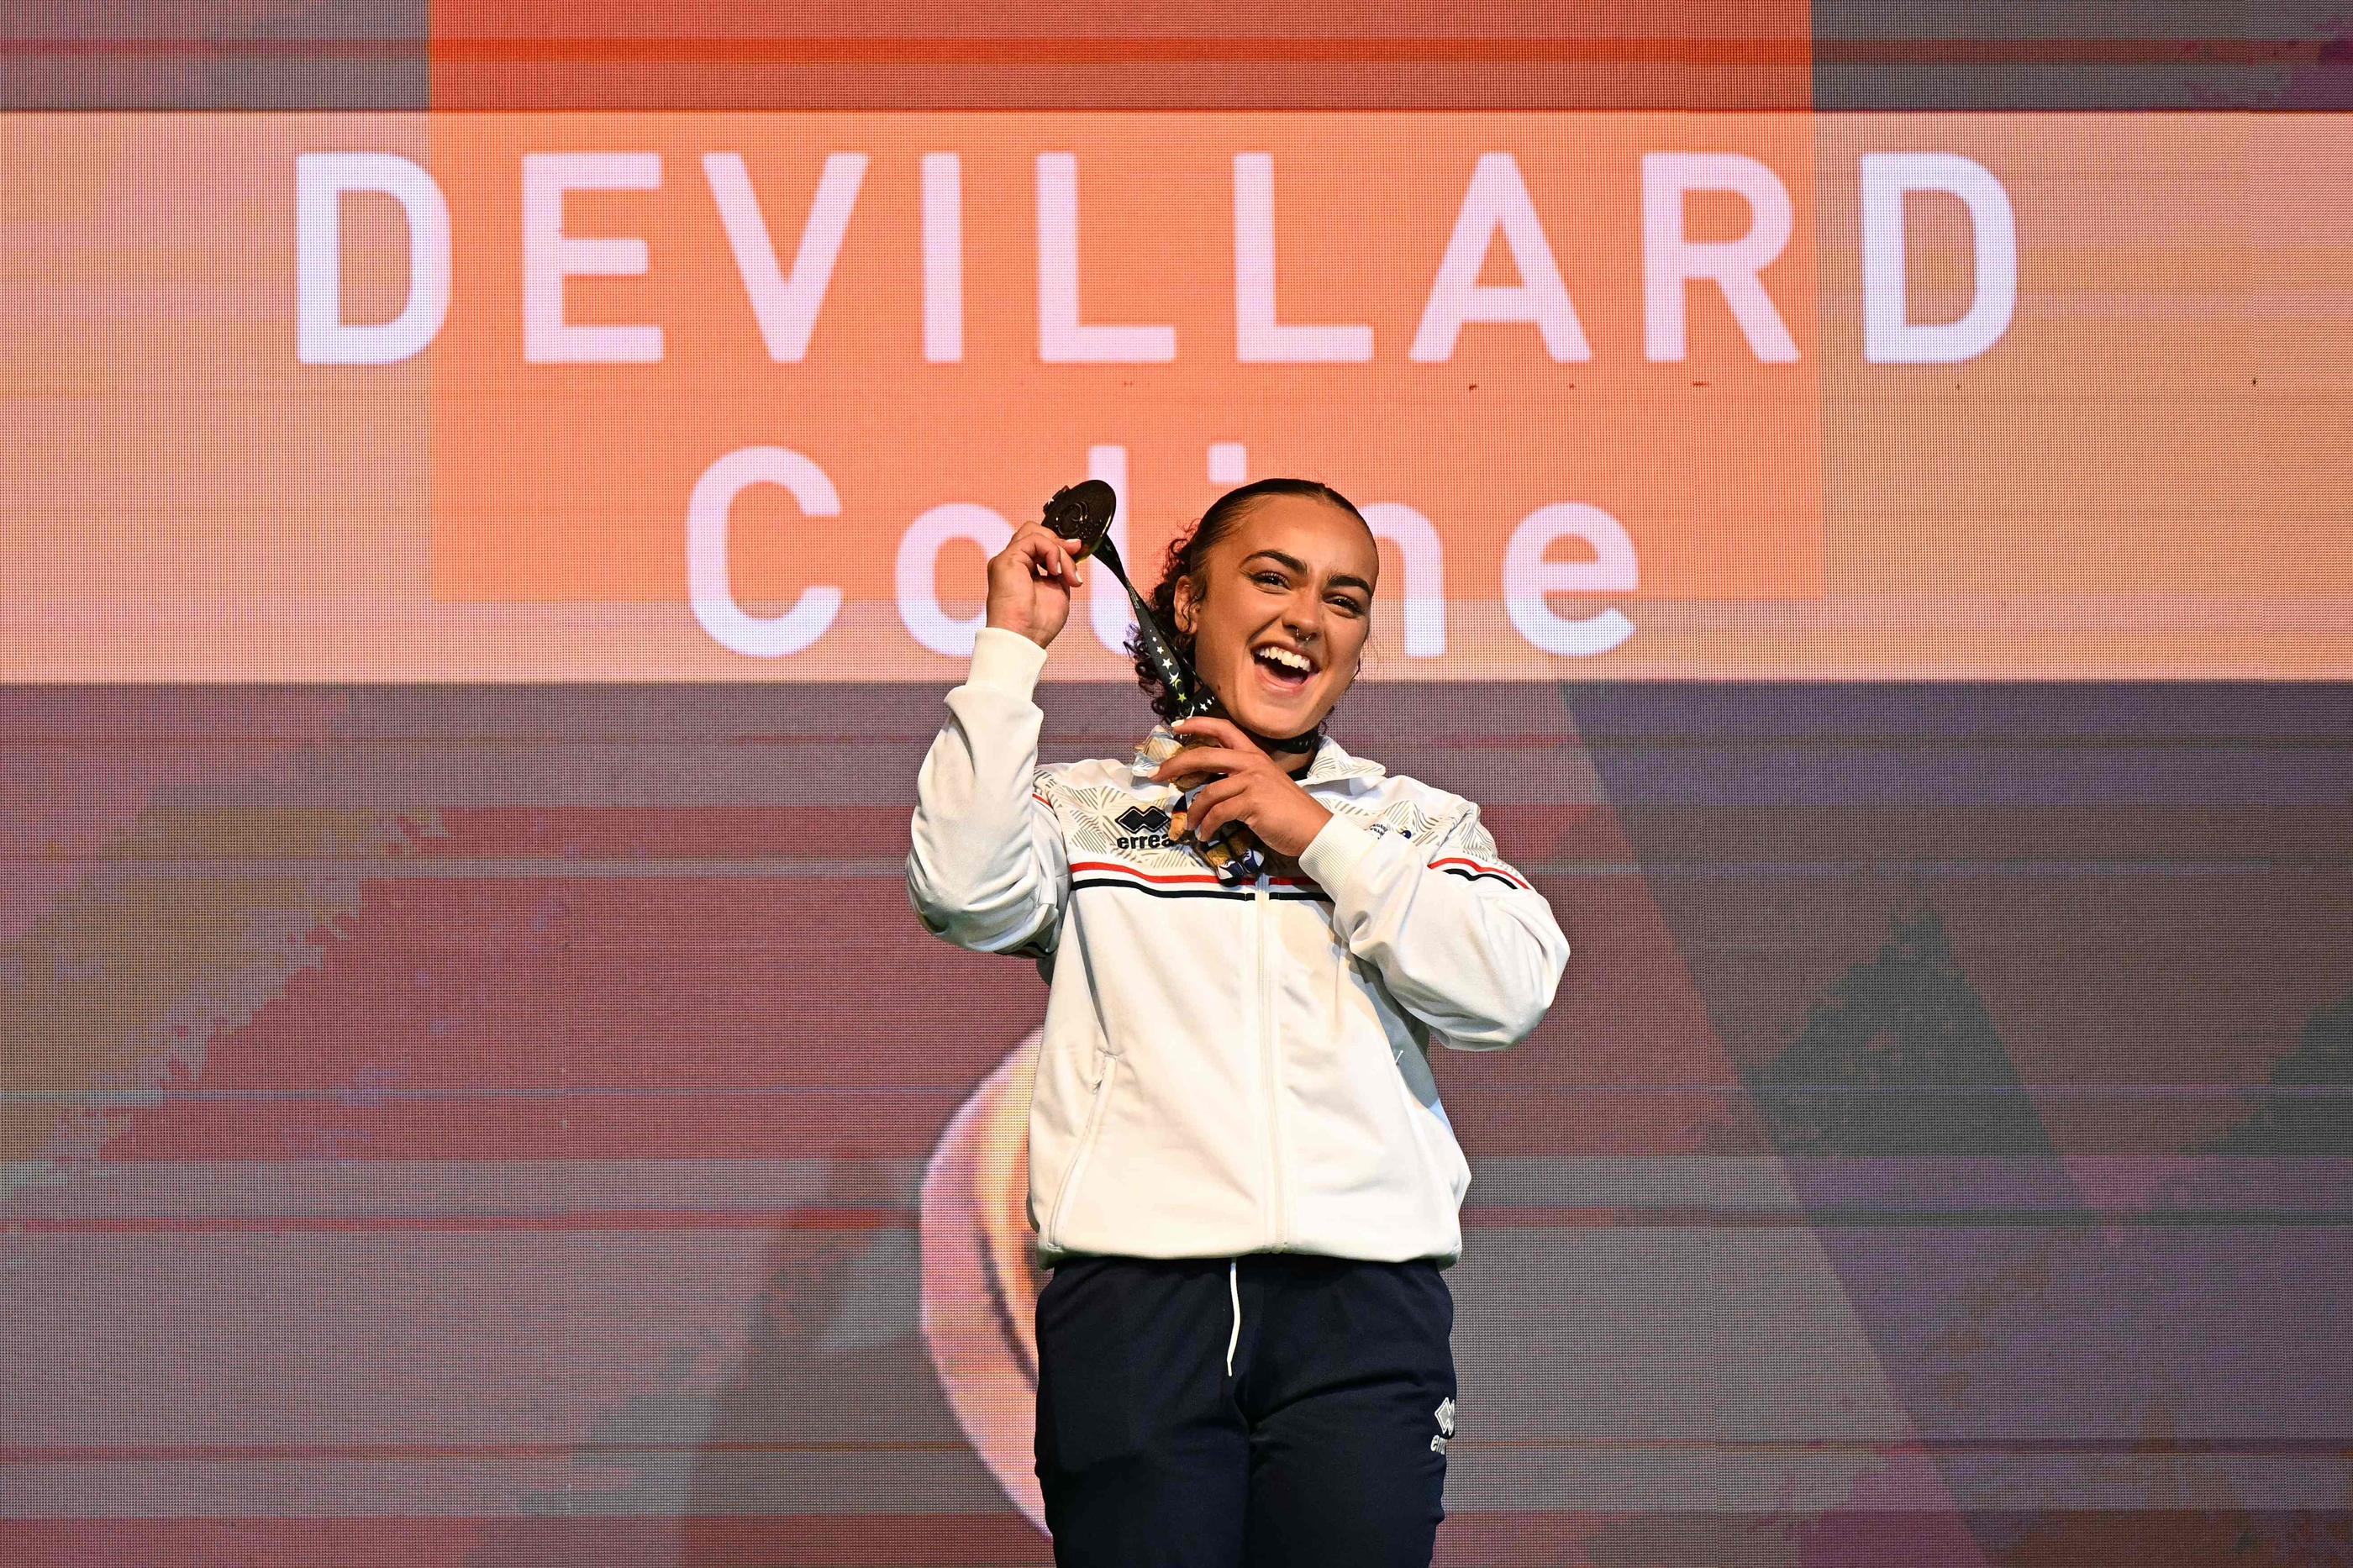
x: 1292, y: 754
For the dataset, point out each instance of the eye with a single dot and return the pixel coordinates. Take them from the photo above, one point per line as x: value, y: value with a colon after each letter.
x: 1345, y: 603
x: 1275, y: 578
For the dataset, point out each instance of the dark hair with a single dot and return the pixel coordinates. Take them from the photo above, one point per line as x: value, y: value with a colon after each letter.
x: 1185, y: 553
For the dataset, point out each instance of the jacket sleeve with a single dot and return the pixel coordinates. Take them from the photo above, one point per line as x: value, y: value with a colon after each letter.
x: 987, y: 870
x: 1462, y: 940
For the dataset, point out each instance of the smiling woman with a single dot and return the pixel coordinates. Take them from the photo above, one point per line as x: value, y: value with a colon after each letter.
x: 1233, y: 1074
x: 1274, y: 649
x: 1269, y: 598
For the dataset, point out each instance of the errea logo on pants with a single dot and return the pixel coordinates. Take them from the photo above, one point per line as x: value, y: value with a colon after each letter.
x: 1445, y: 1414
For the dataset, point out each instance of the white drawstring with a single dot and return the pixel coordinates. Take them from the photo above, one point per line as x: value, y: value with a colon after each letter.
x: 1234, y: 1289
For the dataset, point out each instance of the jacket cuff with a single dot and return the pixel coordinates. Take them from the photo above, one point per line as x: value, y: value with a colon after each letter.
x: 1335, y: 850
x: 1004, y: 661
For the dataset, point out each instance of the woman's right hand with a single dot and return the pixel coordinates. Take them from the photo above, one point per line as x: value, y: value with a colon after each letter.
x: 1030, y: 583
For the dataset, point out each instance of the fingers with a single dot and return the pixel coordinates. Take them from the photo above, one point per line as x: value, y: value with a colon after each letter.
x: 1048, y: 555
x: 1203, y: 760
x: 1049, y: 559
x: 1217, y: 804
x: 1210, y: 795
x: 1223, y: 730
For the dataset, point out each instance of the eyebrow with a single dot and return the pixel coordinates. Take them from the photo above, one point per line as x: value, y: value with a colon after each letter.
x: 1344, y: 579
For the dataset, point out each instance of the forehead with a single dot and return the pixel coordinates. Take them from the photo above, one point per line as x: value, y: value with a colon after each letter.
x: 1328, y: 540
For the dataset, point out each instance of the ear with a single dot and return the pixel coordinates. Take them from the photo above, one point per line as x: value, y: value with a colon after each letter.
x: 1187, y: 612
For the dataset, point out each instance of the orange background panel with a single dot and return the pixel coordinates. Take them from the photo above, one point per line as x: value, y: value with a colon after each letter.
x: 571, y: 481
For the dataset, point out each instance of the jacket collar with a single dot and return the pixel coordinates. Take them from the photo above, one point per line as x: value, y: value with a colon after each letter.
x: 1333, y: 762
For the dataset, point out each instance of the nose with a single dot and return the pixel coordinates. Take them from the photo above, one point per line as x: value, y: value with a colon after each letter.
x: 1303, y: 617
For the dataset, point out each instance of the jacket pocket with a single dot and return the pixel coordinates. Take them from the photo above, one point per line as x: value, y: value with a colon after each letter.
x: 1077, y: 1166
x: 1435, y: 1139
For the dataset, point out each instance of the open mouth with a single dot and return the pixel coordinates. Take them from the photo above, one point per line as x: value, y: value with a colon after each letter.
x: 1282, y: 671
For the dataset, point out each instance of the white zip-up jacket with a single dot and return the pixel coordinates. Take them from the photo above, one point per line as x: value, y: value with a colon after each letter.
x: 1226, y: 1071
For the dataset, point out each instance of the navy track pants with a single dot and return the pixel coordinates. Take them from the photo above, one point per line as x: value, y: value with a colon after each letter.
x: 1324, y: 1444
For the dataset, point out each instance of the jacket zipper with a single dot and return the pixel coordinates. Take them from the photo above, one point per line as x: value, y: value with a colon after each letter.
x: 1266, y: 1034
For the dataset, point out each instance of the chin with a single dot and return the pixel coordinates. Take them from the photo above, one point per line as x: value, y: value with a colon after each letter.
x: 1282, y: 721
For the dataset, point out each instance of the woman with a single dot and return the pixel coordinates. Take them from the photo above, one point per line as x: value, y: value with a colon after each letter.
x: 1240, y: 1171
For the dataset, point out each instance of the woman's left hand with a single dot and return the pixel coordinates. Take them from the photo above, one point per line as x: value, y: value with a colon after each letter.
x: 1254, y: 790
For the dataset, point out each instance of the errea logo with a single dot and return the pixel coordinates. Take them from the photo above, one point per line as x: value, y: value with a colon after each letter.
x: 1445, y: 1425
x: 1147, y: 826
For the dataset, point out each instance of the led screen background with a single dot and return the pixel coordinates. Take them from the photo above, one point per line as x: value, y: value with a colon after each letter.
x: 473, y: 1091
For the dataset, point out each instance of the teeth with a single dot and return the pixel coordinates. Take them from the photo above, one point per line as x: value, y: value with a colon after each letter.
x: 1285, y: 657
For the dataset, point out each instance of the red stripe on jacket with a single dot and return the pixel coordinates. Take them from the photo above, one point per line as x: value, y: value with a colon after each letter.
x: 1479, y: 866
